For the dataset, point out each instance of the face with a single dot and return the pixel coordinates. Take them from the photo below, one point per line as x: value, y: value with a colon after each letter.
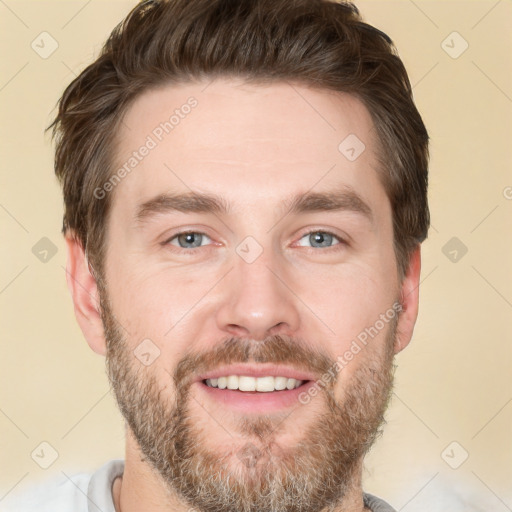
x: 247, y: 252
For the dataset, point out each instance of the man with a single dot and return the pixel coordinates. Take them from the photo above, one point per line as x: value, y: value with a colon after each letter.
x: 245, y: 197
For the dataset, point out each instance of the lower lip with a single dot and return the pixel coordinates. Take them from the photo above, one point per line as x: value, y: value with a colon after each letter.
x: 255, y: 401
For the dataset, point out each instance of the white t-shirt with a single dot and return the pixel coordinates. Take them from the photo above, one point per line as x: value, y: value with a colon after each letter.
x: 80, y: 493
x: 93, y: 493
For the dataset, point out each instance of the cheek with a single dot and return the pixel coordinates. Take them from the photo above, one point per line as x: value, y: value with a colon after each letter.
x: 355, y: 311
x: 157, y: 303
x: 346, y: 299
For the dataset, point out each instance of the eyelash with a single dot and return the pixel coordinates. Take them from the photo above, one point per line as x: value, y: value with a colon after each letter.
x: 341, y: 242
x: 183, y: 249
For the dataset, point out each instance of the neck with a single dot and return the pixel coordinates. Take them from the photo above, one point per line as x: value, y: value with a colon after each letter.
x: 140, y: 488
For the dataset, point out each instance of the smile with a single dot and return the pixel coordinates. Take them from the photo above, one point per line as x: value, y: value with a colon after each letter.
x: 264, y: 384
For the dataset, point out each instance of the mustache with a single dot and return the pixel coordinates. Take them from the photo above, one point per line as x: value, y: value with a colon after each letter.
x: 273, y: 349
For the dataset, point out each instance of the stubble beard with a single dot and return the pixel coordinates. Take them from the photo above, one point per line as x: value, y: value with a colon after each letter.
x: 256, y: 474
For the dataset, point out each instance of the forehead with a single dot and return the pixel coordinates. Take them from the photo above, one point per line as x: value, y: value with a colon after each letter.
x: 245, y: 142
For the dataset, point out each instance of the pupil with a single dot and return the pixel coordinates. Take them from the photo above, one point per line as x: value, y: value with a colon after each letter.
x: 190, y: 240
x: 320, y: 239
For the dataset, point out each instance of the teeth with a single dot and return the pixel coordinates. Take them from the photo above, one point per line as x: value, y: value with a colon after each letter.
x: 280, y: 383
x: 246, y: 383
x: 232, y: 382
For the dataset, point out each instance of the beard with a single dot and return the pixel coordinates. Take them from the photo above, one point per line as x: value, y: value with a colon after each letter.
x: 256, y: 473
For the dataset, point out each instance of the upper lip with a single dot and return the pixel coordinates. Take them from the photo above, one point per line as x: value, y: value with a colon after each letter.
x: 257, y: 370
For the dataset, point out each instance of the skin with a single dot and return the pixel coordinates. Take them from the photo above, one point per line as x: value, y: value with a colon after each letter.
x: 254, y: 146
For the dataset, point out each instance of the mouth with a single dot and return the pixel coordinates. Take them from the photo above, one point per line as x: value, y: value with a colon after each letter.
x: 259, y: 389
x: 247, y: 384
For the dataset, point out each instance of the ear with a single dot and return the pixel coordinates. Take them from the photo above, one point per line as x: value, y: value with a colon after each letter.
x: 84, y: 291
x: 410, y: 300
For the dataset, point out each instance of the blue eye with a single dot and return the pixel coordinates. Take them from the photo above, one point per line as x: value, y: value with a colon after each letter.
x: 319, y: 239
x: 189, y: 240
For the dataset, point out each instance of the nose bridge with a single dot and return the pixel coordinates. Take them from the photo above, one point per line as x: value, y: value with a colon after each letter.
x: 257, y: 303
x: 258, y: 285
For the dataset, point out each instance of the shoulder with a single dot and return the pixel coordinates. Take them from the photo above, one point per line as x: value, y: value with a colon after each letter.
x: 56, y: 495
x: 376, y: 504
x: 78, y: 493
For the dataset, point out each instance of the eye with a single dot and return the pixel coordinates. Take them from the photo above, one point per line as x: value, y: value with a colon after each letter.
x: 189, y: 240
x: 319, y: 239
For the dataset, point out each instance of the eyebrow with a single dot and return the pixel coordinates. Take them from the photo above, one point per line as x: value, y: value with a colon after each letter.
x: 191, y: 202
x: 344, y: 200
x: 309, y: 202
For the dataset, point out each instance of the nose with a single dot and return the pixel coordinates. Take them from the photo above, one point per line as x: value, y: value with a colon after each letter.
x: 258, y: 302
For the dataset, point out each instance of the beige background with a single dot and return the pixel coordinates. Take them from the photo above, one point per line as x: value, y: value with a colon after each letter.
x: 453, y: 382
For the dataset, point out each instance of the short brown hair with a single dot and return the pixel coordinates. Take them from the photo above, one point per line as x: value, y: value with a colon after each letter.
x: 320, y: 43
